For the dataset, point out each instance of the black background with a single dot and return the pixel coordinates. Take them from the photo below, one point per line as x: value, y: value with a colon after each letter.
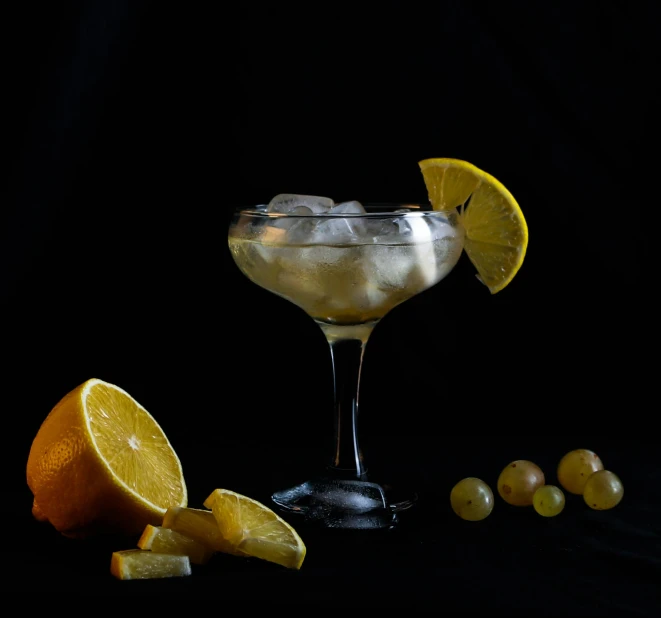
x: 133, y: 130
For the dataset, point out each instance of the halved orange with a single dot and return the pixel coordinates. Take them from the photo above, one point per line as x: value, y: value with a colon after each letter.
x: 100, y: 462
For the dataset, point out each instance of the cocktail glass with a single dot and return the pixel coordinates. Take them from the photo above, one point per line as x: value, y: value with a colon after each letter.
x: 346, y: 265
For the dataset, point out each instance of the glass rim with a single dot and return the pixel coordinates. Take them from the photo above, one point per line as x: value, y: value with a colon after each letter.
x: 374, y: 210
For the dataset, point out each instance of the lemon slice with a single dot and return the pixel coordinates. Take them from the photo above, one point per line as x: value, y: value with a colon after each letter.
x: 199, y: 525
x: 101, y: 463
x: 255, y: 529
x: 496, y: 230
x: 142, y: 564
x: 165, y: 541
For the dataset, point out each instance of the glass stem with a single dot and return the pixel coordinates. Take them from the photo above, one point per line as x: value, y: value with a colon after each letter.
x: 347, y: 346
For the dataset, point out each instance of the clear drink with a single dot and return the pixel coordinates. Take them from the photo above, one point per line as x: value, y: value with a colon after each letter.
x: 351, y: 282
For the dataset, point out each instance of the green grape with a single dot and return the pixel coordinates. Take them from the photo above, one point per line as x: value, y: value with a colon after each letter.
x: 549, y: 501
x: 603, y: 490
x: 519, y: 481
x: 576, y: 467
x: 472, y: 499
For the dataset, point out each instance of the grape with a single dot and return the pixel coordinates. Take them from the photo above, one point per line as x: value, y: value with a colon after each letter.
x: 472, y: 499
x: 518, y: 482
x: 575, y: 468
x: 549, y: 501
x: 603, y: 490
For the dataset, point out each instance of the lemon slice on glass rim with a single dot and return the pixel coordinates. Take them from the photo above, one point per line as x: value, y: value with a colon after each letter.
x: 496, y: 230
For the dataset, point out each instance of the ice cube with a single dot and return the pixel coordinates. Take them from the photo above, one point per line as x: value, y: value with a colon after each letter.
x: 287, y: 202
x: 301, y: 231
x: 287, y: 221
x: 340, y: 230
x: 332, y: 232
x: 352, y: 207
x: 425, y: 258
x: 389, y: 267
x: 379, y: 230
x: 410, y: 261
x: 294, y: 223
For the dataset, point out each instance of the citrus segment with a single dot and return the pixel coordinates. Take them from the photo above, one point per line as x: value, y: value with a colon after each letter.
x: 100, y: 462
x: 256, y: 530
x: 496, y: 230
x: 199, y: 525
x: 449, y: 182
x: 141, y: 564
x: 166, y: 541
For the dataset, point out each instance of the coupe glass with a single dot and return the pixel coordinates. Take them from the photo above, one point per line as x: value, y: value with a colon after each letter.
x: 346, y: 267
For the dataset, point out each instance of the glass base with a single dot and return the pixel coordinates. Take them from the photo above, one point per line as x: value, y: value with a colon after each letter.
x: 339, y: 503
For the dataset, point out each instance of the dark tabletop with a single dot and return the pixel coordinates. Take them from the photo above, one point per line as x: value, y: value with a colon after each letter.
x: 581, y: 563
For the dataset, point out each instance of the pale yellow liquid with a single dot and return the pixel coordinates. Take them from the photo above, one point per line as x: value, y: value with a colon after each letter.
x: 346, y: 284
